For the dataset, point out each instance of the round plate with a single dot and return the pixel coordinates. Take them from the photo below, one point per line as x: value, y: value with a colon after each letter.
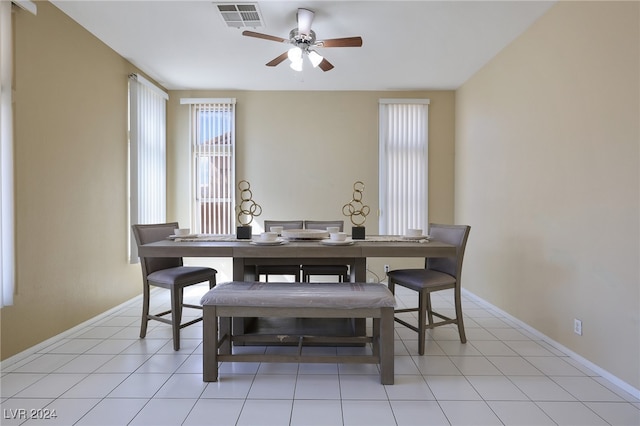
x: 305, y: 234
x: 346, y: 242
x: 277, y: 242
x: 418, y: 237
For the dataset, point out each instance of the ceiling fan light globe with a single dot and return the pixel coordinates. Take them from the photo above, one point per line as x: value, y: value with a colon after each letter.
x: 315, y: 58
x: 295, y: 54
x: 296, y: 66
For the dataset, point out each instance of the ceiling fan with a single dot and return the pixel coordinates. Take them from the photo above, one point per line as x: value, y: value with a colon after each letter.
x: 303, y: 39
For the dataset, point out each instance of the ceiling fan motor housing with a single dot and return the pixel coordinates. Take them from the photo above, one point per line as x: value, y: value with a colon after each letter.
x: 303, y: 41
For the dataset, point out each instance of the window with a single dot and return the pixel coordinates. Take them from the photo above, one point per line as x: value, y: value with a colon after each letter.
x: 7, y: 223
x: 403, y: 169
x: 212, y: 135
x: 147, y: 154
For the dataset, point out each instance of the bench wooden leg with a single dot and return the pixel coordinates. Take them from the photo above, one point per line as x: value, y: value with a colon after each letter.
x: 209, y: 344
x: 375, y: 344
x: 386, y: 347
x: 224, y: 336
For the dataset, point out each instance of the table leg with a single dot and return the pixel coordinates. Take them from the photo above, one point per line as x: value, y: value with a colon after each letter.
x: 238, y: 269
x: 359, y: 270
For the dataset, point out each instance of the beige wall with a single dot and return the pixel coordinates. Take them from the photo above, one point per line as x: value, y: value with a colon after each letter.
x: 547, y: 175
x: 70, y: 177
x: 302, y: 152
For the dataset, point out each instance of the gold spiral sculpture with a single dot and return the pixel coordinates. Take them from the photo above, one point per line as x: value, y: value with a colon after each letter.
x: 247, y: 207
x: 355, y: 209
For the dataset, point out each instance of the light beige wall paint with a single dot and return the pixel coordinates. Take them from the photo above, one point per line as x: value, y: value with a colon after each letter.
x: 547, y: 175
x: 302, y: 152
x: 71, y: 179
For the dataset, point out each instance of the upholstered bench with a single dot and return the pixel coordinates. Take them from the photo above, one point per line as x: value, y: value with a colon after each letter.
x: 297, y: 300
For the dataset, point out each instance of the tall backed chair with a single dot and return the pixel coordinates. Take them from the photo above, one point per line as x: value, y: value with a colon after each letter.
x: 438, y: 274
x: 341, y: 271
x: 293, y: 270
x: 169, y: 273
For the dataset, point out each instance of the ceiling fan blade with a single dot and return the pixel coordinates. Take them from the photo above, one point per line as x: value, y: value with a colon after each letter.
x: 341, y: 42
x: 305, y: 18
x: 264, y: 36
x: 325, y: 65
x: 277, y: 60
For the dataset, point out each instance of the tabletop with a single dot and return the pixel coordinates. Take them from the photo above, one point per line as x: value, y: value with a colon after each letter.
x: 228, y: 246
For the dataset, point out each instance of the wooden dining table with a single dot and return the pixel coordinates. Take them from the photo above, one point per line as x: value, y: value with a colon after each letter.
x: 247, y: 255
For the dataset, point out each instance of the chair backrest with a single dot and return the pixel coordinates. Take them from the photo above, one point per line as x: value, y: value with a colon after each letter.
x: 323, y: 224
x: 145, y: 234
x: 286, y: 224
x: 450, y: 234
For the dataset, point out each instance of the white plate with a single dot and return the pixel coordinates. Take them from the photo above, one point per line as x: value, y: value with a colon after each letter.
x: 346, y: 242
x: 277, y: 242
x: 418, y: 237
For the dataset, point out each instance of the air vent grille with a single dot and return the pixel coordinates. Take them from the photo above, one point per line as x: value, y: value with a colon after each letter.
x: 238, y: 15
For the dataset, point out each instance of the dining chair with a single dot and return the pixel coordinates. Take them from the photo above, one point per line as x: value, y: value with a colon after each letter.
x: 171, y: 274
x: 439, y: 273
x: 293, y: 270
x: 341, y: 271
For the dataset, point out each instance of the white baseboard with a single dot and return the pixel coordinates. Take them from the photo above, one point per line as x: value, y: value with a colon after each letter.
x: 588, y: 364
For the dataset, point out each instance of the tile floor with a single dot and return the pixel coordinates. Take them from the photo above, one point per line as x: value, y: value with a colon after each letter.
x: 103, y: 374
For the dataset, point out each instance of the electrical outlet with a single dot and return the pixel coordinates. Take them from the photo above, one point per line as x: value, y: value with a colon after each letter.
x: 386, y: 269
x: 369, y: 280
x: 577, y: 326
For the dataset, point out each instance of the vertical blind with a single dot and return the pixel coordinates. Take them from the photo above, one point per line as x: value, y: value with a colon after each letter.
x: 403, y: 168
x: 7, y: 249
x: 212, y: 135
x: 7, y: 218
x: 147, y: 154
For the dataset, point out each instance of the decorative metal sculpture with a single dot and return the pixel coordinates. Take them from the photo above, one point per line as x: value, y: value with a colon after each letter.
x: 247, y: 207
x: 355, y: 209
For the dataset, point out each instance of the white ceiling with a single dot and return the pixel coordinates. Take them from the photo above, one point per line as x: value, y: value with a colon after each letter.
x: 407, y: 45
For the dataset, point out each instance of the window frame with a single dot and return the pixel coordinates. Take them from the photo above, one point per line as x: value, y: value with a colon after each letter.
x: 212, y: 211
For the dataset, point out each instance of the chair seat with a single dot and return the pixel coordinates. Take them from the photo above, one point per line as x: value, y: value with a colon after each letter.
x: 181, y: 275
x: 418, y: 279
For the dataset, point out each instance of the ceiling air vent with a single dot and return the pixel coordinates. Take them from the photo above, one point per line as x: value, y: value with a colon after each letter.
x: 238, y: 15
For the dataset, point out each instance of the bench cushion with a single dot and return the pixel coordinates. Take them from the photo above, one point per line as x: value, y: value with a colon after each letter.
x: 300, y: 295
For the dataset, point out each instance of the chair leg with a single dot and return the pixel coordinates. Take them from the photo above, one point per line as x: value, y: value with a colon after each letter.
x: 212, y: 282
x: 423, y: 300
x: 145, y: 309
x: 176, y: 315
x: 460, y: 321
x: 429, y: 309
